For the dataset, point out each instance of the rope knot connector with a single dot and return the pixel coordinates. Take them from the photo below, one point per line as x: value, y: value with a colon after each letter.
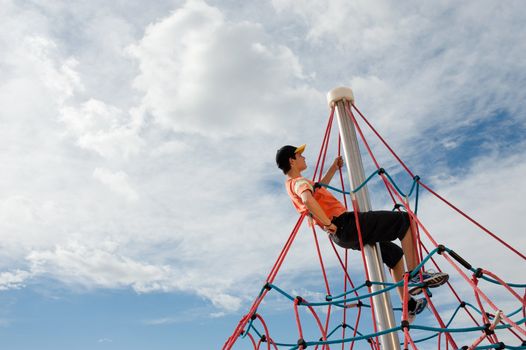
x: 488, y: 330
x: 302, y: 343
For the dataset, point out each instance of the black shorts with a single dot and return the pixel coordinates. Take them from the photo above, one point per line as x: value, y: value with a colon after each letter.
x: 377, y: 227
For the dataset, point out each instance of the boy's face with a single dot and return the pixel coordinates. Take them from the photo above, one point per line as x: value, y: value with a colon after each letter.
x: 298, y: 163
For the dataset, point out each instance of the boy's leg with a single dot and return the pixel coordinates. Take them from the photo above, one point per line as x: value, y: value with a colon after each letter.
x: 415, y: 306
x: 397, y: 272
x: 408, y: 246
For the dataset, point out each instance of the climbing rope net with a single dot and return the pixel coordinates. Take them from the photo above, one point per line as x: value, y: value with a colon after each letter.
x: 492, y: 326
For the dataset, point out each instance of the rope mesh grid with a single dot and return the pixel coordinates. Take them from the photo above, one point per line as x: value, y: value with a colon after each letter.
x: 470, y: 325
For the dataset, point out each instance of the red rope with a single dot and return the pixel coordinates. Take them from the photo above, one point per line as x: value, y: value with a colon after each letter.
x: 451, y: 286
x: 405, y: 306
x: 342, y: 183
x: 253, y: 341
x: 327, y: 287
x: 356, y: 326
x: 344, y: 316
x: 320, y: 258
x: 419, y: 247
x: 298, y: 322
x: 326, y: 149
x: 343, y: 266
x: 394, y: 191
x: 324, y: 142
x: 323, y: 333
x: 484, y: 314
x: 285, y: 250
x: 233, y: 338
x: 436, y: 194
x: 267, y: 335
x: 448, y: 259
x: 366, y: 144
x: 492, y: 275
x: 358, y: 228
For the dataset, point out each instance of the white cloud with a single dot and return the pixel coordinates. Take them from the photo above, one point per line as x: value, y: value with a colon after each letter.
x: 76, y: 264
x: 104, y: 340
x: 490, y: 194
x: 103, y: 128
x: 203, y: 74
x: 418, y: 68
x: 170, y: 148
x: 117, y: 182
x: 13, y: 280
x: 203, y: 214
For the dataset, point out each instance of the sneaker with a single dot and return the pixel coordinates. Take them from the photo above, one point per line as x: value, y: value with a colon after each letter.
x: 431, y: 280
x: 419, y: 306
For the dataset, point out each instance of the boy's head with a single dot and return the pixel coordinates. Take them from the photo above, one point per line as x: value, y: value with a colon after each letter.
x: 286, y: 154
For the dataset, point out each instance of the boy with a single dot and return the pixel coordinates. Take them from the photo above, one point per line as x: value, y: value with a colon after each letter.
x: 381, y: 227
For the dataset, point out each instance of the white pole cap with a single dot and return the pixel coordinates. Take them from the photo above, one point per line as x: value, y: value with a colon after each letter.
x: 339, y: 93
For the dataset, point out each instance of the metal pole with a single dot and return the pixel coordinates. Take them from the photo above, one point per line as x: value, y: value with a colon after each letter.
x: 382, y: 302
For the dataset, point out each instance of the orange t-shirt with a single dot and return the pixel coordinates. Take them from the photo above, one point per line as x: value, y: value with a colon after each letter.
x: 330, y: 205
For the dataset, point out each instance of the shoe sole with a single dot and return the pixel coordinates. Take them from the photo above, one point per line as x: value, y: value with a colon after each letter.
x: 430, y: 283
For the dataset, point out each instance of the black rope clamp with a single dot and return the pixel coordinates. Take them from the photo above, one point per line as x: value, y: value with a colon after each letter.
x: 462, y: 304
x: 316, y: 186
x: 360, y: 304
x: 461, y: 260
x: 478, y: 273
x: 302, y: 342
x: 254, y: 316
x: 299, y: 299
x: 501, y: 346
x: 465, y: 347
x: 381, y: 171
x: 263, y: 338
x: 267, y: 286
x: 344, y: 325
x: 368, y: 283
x: 398, y: 206
x: 441, y: 248
x: 328, y: 297
x: 416, y: 178
x: 405, y: 324
x: 487, y: 330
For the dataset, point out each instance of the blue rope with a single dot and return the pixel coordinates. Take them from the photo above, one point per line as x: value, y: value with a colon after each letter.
x: 387, y: 287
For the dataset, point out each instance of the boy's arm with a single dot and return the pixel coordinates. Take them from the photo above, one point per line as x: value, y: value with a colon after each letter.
x: 316, y: 210
x: 337, y: 164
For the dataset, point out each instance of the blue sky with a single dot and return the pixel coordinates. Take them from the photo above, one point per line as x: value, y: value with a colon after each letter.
x: 140, y: 205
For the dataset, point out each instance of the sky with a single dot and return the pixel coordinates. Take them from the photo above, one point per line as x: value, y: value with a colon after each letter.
x: 140, y: 203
